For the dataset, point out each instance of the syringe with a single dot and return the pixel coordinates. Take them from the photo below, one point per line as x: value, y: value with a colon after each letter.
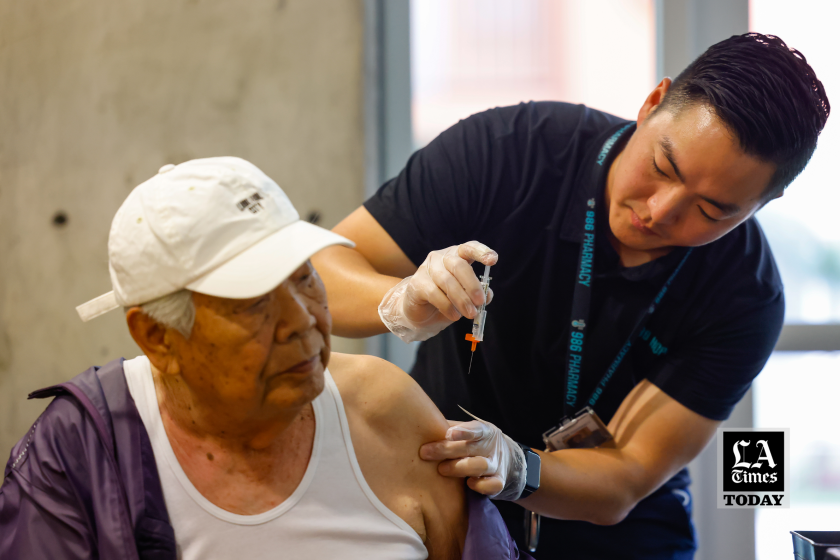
x: 477, y: 334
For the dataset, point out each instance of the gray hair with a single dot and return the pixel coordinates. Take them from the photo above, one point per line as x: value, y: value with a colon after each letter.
x: 174, y: 311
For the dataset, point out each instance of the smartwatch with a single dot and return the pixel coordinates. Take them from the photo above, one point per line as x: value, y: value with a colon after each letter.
x: 532, y: 471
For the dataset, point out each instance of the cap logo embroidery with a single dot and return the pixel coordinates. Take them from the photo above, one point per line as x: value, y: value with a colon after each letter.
x: 252, y: 203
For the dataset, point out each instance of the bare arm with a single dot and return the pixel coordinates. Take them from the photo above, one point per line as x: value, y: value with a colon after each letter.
x: 655, y: 436
x: 356, y: 279
x: 442, y: 290
x: 390, y: 418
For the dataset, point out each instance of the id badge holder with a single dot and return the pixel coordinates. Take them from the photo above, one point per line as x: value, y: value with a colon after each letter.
x: 583, y: 430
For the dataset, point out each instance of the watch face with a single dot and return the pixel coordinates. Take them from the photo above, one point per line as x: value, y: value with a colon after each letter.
x: 532, y: 477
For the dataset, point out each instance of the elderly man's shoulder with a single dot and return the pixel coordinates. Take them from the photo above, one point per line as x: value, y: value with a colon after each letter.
x: 384, y: 395
x: 390, y: 417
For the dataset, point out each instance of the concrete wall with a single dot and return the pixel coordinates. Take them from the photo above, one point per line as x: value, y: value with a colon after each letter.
x: 96, y: 95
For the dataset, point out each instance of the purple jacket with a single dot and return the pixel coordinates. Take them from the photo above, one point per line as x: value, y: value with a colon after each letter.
x: 83, y: 483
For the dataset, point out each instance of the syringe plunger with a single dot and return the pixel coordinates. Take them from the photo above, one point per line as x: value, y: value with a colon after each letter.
x: 478, y: 322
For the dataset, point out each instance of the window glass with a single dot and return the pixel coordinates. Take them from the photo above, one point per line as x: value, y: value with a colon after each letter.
x: 802, y: 226
x: 801, y: 391
x: 472, y: 55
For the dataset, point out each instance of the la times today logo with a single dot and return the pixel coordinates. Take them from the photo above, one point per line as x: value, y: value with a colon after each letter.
x: 753, y: 468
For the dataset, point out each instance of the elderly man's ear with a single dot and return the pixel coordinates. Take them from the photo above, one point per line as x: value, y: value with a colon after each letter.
x: 154, y: 339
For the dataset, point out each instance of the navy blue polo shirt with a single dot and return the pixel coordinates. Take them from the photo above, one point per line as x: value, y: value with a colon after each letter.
x: 514, y: 178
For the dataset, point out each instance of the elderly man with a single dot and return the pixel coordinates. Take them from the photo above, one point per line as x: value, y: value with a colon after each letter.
x: 230, y: 437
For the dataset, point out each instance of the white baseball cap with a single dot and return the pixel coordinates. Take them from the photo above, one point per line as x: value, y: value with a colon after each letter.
x: 217, y: 226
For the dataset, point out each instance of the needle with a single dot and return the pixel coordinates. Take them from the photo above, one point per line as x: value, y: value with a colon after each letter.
x: 471, y: 357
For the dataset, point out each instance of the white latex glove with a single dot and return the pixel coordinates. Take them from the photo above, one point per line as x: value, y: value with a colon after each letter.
x: 443, y: 289
x: 494, y: 463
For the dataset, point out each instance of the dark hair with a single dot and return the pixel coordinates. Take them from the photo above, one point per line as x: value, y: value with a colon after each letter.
x: 765, y: 93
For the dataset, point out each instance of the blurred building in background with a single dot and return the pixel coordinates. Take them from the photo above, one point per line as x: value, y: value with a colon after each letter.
x: 470, y: 55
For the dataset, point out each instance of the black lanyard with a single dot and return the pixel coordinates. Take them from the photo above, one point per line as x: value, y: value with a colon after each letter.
x: 583, y: 293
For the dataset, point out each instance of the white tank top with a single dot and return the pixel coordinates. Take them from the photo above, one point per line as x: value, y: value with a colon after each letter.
x: 333, y: 513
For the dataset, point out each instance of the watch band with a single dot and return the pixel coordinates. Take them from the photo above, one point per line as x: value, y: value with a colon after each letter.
x: 532, y: 471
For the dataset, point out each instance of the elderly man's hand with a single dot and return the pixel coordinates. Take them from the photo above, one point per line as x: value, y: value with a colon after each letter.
x: 494, y: 463
x: 443, y: 289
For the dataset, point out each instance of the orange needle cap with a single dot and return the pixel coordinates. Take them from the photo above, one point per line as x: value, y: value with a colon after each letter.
x: 472, y: 339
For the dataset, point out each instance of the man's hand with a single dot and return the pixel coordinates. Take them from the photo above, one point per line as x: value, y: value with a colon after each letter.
x: 443, y: 289
x: 494, y: 463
